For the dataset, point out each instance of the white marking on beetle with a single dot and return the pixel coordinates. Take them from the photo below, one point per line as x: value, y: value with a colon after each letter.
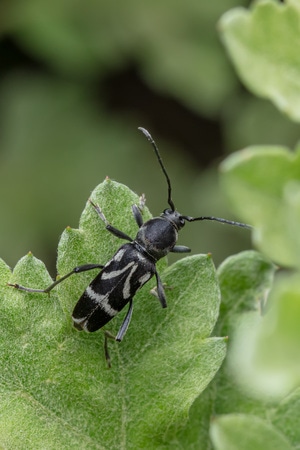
x: 102, y: 300
x: 116, y: 273
x: 119, y: 255
x: 81, y: 322
x: 144, y: 278
x: 126, y: 288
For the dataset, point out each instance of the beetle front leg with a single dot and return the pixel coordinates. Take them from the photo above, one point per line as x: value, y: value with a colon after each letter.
x: 137, y: 215
x: 137, y: 210
x: 180, y: 249
x: 118, y: 233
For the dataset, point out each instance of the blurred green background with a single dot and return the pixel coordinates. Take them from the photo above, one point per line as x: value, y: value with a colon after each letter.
x: 77, y: 77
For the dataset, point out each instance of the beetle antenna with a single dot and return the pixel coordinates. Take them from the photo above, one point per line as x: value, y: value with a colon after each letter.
x: 218, y: 219
x: 152, y: 142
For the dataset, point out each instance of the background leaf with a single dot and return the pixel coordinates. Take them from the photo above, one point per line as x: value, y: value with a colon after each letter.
x: 246, y: 432
x: 263, y: 186
x: 245, y: 281
x: 268, y: 69
x: 271, y: 367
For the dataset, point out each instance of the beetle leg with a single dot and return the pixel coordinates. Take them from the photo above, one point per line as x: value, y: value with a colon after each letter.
x: 180, y: 249
x: 77, y: 269
x: 121, y: 333
x: 125, y: 324
x: 137, y: 215
x: 160, y: 291
x: 118, y: 233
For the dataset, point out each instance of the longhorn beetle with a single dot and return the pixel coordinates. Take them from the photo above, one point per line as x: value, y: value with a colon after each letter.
x: 131, y: 266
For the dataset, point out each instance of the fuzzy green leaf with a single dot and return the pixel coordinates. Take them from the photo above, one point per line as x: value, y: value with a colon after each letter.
x: 264, y: 46
x: 263, y: 185
x: 265, y: 355
x: 245, y: 280
x: 236, y: 432
x: 56, y: 391
x: 286, y: 417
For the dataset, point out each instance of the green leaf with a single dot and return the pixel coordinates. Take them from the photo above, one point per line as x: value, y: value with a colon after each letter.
x: 265, y: 354
x: 194, y: 435
x: 255, y: 344
x: 264, y: 46
x: 245, y: 280
x: 236, y: 432
x: 286, y: 417
x: 55, y: 389
x: 263, y: 185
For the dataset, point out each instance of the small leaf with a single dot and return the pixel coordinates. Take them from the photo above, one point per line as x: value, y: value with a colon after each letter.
x: 236, y: 432
x: 265, y: 355
x: 245, y: 281
x: 263, y: 185
x: 264, y: 46
x: 5, y: 274
x: 286, y: 417
x: 32, y: 270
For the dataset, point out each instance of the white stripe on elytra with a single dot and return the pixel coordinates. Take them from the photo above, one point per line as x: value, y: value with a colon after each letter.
x: 118, y: 256
x: 81, y: 322
x: 144, y: 278
x: 126, y: 288
x: 103, y: 301
x: 116, y: 273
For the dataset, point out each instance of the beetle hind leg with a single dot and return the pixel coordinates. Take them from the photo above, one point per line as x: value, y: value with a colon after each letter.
x: 121, y: 333
x: 107, y: 335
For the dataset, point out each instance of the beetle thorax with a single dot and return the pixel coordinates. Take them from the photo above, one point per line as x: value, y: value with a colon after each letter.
x: 157, y: 237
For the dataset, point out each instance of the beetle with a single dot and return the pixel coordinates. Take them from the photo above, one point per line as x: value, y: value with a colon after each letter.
x: 132, y: 266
